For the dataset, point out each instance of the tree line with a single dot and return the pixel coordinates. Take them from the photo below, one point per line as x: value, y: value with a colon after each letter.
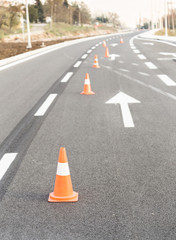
x: 56, y: 10
x: 60, y: 11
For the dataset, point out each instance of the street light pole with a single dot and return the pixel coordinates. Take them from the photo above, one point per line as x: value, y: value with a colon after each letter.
x: 166, y: 34
x: 28, y: 26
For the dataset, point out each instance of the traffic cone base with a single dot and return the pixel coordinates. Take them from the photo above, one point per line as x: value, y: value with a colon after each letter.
x: 88, y: 93
x: 71, y: 198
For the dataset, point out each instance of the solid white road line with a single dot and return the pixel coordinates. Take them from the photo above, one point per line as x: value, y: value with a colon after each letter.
x: 5, y: 163
x: 77, y: 64
x: 84, y: 56
x: 168, y: 81
x: 41, y: 111
x: 150, y: 65
x: 67, y: 77
x: 141, y: 56
x: 144, y: 74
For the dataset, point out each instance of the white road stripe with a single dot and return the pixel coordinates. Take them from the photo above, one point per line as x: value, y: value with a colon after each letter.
x: 123, y: 70
x: 84, y: 56
x: 93, y: 47
x: 150, y: 65
x: 141, y: 56
x: 67, y: 77
x: 135, y: 64
x: 5, y: 163
x: 97, y: 45
x: 136, y: 51
x: 168, y: 81
x: 144, y: 74
x: 133, y: 47
x: 121, y: 61
x: 126, y: 114
x: 89, y: 51
x: 41, y: 111
x: 77, y: 64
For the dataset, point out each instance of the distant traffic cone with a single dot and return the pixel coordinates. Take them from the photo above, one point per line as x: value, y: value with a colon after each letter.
x: 104, y: 43
x: 107, y: 53
x: 96, y: 65
x: 63, y: 191
x: 87, y: 87
x: 121, y: 40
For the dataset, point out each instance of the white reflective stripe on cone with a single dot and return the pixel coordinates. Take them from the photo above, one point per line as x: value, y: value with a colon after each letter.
x: 87, y: 82
x: 63, y: 169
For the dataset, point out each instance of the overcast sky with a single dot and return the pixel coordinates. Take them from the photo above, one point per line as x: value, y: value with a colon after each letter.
x: 129, y: 10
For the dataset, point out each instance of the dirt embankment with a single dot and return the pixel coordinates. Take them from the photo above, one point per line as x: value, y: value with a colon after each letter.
x: 15, y: 44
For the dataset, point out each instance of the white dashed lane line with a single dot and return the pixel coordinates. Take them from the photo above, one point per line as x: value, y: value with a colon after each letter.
x: 136, y: 51
x: 141, y: 56
x: 67, y: 77
x: 89, y: 51
x: 144, y: 74
x: 123, y: 70
x: 150, y: 65
x: 5, y: 163
x: 84, y: 56
x: 77, y: 64
x: 41, y: 111
x: 168, y: 81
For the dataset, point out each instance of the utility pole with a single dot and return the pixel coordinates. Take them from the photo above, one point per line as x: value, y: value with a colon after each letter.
x: 28, y: 26
x: 166, y: 34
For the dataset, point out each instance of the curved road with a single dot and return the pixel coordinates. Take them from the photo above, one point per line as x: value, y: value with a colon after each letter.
x: 120, y: 142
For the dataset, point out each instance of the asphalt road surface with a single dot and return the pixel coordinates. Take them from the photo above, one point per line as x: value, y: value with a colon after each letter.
x: 120, y: 142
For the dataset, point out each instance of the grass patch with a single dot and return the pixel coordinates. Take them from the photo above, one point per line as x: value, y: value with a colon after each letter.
x: 63, y: 29
x: 162, y: 32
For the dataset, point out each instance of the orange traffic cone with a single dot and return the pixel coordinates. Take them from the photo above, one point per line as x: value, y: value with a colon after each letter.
x: 104, y: 43
x: 87, y: 88
x: 63, y: 191
x: 121, y: 40
x: 96, y: 65
x: 107, y: 53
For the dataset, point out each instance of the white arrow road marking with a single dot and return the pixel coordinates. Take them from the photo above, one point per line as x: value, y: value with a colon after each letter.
x: 114, y: 44
x: 5, y: 163
x: 113, y: 57
x: 166, y: 80
x: 146, y: 43
x: 123, y: 99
